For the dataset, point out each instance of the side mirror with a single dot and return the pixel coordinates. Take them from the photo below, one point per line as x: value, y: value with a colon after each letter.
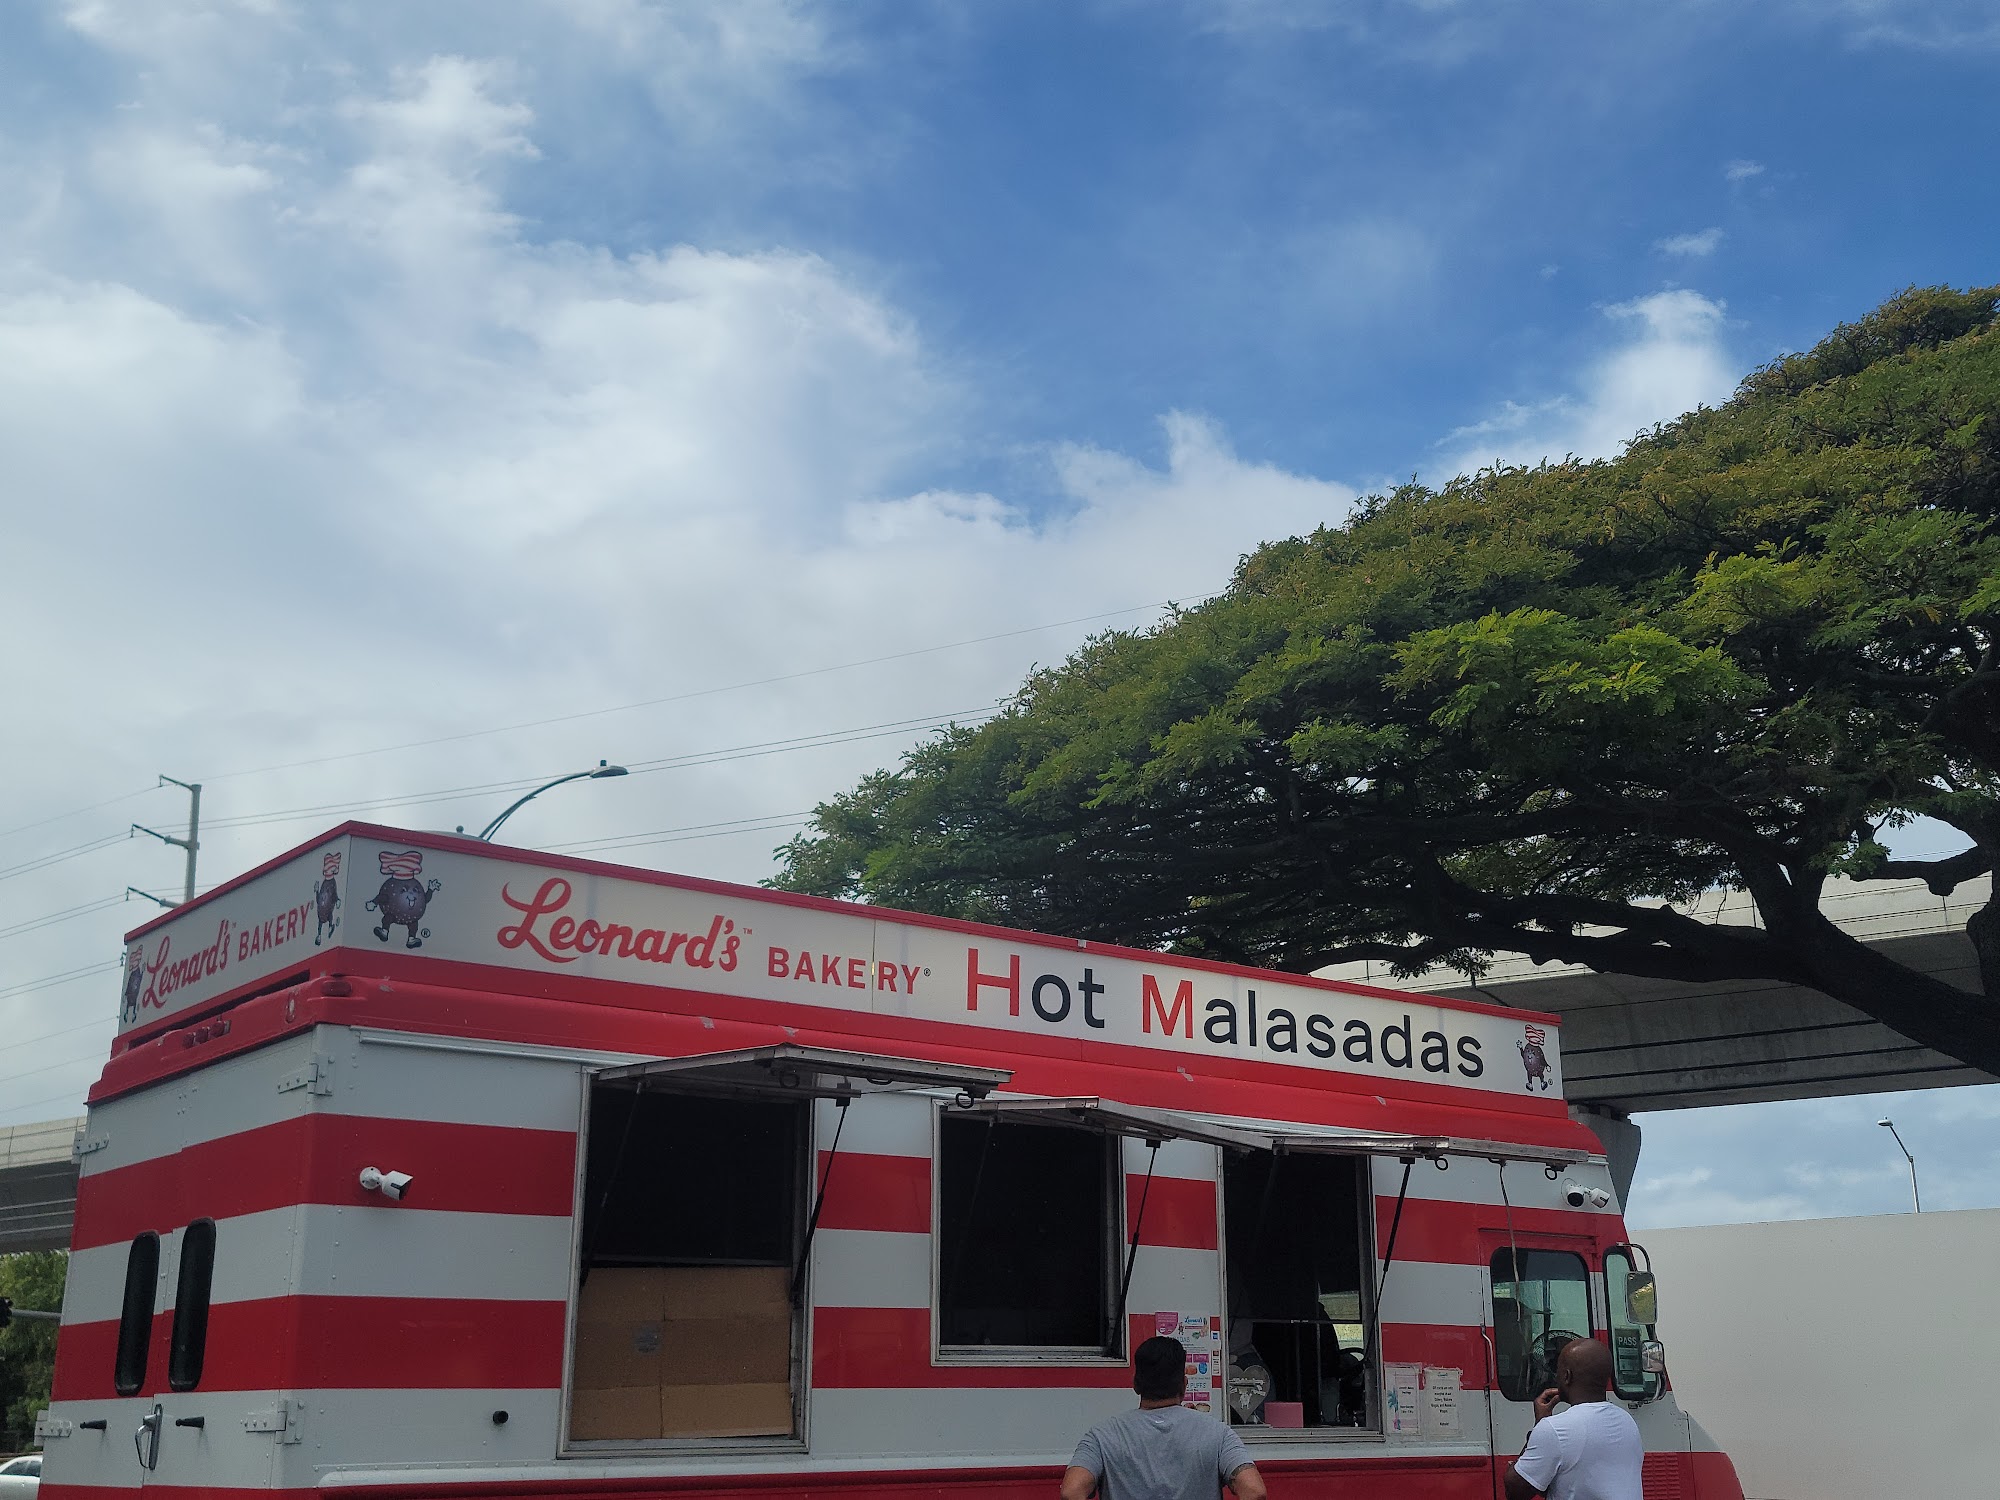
x: 1653, y: 1357
x: 1642, y: 1298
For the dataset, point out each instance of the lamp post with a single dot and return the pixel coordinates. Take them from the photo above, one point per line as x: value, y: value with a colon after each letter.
x: 603, y: 769
x: 1890, y: 1126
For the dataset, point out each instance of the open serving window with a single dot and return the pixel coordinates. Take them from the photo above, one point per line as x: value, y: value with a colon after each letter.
x: 1032, y: 1261
x: 699, y: 1203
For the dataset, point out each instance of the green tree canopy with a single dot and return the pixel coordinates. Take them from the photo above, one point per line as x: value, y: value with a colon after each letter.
x: 1534, y: 710
x: 32, y: 1279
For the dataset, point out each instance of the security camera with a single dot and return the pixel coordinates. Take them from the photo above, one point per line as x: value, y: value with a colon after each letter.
x: 390, y: 1184
x: 1575, y: 1194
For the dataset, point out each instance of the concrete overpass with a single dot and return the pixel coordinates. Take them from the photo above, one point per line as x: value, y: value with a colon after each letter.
x: 1629, y: 1045
x: 37, y: 1185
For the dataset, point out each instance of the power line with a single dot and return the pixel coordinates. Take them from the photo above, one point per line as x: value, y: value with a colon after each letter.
x: 8, y: 1109
x: 47, y: 1036
x: 50, y: 981
x: 688, y: 759
x: 734, y: 687
x: 61, y: 916
x: 67, y: 1062
x: 7, y: 833
x: 44, y: 861
x: 686, y: 830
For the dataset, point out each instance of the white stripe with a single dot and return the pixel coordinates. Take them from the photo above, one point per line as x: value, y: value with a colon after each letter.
x: 1475, y: 1180
x: 237, y: 1094
x: 1169, y: 1279
x: 1025, y: 1425
x: 328, y: 1250
x: 871, y: 1268
x: 459, y: 1088
x: 1424, y: 1291
x: 879, y: 1125
x: 1187, y: 1161
x: 337, y: 1428
x: 241, y: 1093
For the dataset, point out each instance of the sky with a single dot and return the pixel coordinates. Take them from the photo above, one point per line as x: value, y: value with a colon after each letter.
x: 403, y: 405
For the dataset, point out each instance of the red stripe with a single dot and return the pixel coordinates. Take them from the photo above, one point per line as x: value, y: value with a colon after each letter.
x: 1180, y: 1214
x: 341, y: 1343
x: 1441, y: 1230
x: 889, y: 1348
x: 1357, y: 1478
x: 627, y: 1017
x: 405, y: 993
x: 318, y: 1159
x: 877, y: 1192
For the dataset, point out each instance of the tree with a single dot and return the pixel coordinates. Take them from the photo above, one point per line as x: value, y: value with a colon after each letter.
x: 1534, y: 711
x: 32, y: 1279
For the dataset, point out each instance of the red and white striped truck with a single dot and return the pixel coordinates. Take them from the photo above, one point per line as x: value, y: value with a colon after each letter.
x: 426, y: 1168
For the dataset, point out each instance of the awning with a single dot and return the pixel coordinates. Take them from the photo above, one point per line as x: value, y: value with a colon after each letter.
x: 789, y: 1071
x: 1118, y: 1119
x: 1430, y: 1147
x: 1259, y: 1135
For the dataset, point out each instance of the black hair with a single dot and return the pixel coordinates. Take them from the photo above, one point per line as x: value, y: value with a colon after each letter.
x: 1159, y: 1369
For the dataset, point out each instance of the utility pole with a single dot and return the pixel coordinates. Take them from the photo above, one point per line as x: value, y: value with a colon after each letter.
x: 192, y: 843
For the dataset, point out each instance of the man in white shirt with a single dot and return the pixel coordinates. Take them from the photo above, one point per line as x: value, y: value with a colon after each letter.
x: 1590, y: 1452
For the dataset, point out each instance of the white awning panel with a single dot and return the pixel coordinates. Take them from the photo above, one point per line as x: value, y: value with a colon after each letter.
x: 1118, y: 1119
x: 788, y: 1071
x: 1260, y: 1135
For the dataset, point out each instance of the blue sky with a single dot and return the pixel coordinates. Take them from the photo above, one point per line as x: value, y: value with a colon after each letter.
x: 404, y: 403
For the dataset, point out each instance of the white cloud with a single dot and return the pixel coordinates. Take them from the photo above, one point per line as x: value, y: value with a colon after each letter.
x: 332, y: 447
x: 1672, y: 358
x: 1693, y: 246
x: 1742, y: 170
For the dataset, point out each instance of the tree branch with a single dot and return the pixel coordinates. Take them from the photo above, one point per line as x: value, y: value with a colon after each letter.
x: 1943, y: 876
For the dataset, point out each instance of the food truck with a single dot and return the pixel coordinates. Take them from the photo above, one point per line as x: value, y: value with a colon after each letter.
x: 422, y: 1167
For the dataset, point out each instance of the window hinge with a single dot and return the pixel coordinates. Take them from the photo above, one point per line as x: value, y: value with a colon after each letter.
x: 316, y: 1077
x: 281, y: 1420
x: 83, y: 1145
x: 47, y: 1427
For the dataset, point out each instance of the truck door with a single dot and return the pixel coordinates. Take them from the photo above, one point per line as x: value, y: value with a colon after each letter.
x: 1537, y: 1299
x: 186, y: 1434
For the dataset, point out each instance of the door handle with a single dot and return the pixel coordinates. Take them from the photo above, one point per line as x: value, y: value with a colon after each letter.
x: 146, y: 1441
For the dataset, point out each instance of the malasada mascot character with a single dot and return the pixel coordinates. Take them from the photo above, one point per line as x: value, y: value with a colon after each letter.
x: 326, y: 897
x: 1535, y: 1058
x: 403, y: 899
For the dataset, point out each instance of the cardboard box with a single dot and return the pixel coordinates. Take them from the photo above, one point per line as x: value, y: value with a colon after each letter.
x: 683, y: 1352
x: 620, y: 1343
x: 630, y: 1413
x: 728, y: 1351
x: 724, y: 1291
x: 688, y: 1411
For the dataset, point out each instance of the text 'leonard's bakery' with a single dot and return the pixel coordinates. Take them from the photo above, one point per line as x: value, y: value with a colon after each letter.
x: 421, y: 1164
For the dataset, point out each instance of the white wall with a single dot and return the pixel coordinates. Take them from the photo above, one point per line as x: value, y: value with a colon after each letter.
x: 1841, y: 1359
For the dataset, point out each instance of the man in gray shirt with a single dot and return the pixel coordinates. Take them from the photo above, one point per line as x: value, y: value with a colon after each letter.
x: 1163, y: 1450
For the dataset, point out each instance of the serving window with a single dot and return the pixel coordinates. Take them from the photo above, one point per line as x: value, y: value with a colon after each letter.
x: 698, y: 1211
x: 1298, y: 1254
x: 1028, y: 1223
x: 691, y: 1225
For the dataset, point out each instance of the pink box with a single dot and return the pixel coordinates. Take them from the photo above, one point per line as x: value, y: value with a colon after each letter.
x: 1284, y: 1414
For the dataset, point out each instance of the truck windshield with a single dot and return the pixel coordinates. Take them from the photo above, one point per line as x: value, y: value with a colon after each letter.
x: 1541, y: 1300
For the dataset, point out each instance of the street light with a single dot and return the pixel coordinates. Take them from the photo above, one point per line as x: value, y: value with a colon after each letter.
x: 604, y: 768
x: 1890, y: 1126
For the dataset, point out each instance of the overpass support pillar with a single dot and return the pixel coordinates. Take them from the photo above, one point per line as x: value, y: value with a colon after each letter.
x: 1621, y: 1143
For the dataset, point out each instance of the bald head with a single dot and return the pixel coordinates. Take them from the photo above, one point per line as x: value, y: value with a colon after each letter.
x: 1583, y: 1371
